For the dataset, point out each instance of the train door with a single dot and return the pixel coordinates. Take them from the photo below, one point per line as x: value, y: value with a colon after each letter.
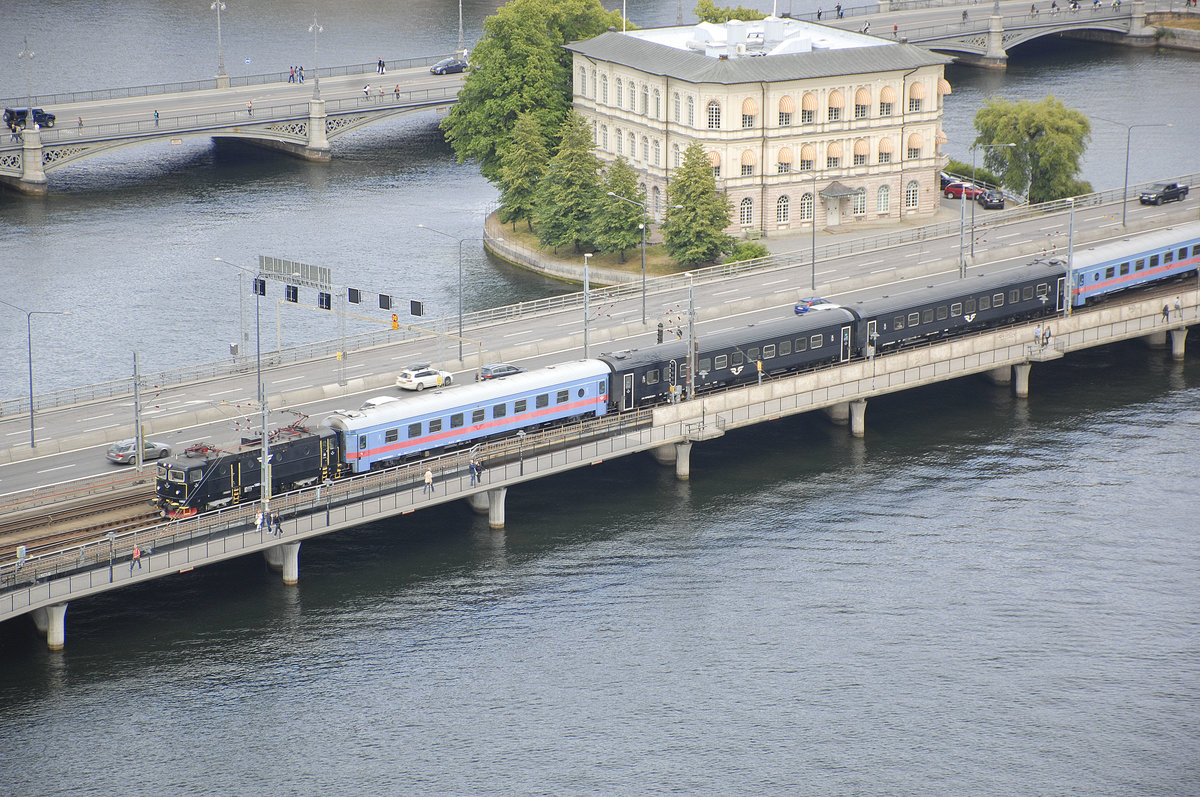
x: 872, y: 336
x: 845, y: 354
x: 1061, y: 296
x: 627, y: 392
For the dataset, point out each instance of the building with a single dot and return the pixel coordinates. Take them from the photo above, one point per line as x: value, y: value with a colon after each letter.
x: 798, y: 119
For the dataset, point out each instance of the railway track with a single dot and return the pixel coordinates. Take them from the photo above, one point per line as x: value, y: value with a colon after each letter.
x: 61, y: 526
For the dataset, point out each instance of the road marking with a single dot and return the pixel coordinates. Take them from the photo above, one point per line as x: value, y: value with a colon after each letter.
x: 60, y: 467
x: 97, y: 417
x: 872, y: 262
x: 930, y: 260
x: 1010, y: 235
x: 913, y: 254
x: 289, y: 379
x: 359, y: 365
x: 776, y: 282
x: 722, y: 293
x: 98, y: 428
x: 881, y: 270
x: 224, y: 392
x: 1051, y: 227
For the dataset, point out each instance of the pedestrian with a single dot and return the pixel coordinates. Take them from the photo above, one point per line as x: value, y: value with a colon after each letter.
x: 381, y: 92
x: 1033, y: 12
x: 81, y: 124
x: 13, y: 129
x: 428, y: 482
x: 866, y: 28
x: 292, y: 75
x: 1037, y: 334
x: 964, y: 16
x: 136, y: 559
x: 838, y: 9
x: 156, y: 117
x: 1046, y: 336
x: 895, y: 31
x: 250, y: 108
x: 1166, y: 313
x: 1179, y: 309
x: 258, y: 519
x: 819, y: 12
x: 367, y: 90
x: 300, y: 74
x: 397, y: 92
x: 278, y: 525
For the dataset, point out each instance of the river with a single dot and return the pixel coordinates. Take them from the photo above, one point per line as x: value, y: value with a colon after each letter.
x: 985, y: 595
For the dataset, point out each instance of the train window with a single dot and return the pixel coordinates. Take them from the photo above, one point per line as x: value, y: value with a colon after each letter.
x: 927, y: 316
x: 601, y: 388
x: 898, y: 323
x: 785, y: 348
x: 580, y: 392
x: 563, y: 397
x: 499, y: 410
x: 722, y: 361
x: 520, y: 405
x: 801, y: 344
x: 477, y: 416
x: 752, y: 354
x: 391, y: 435
x: 815, y: 341
x: 985, y: 303
x: 1109, y: 273
x: 705, y: 364
x: 456, y: 420
x: 1138, y: 265
x: 1183, y: 252
x: 542, y: 400
x: 956, y: 309
x: 195, y: 476
x: 738, y: 358
x: 414, y: 430
x: 1043, y: 290
x: 362, y: 442
x: 1168, y: 256
x: 653, y: 376
x: 1027, y: 293
x: 914, y: 319
x: 969, y: 306
x: 769, y: 352
x: 1014, y: 296
x: 435, y: 425
x: 942, y: 313
x: 1124, y: 269
x: 1153, y: 261
x: 998, y: 300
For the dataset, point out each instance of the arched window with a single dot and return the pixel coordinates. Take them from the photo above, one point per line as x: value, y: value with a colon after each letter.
x: 787, y: 107
x: 749, y: 113
x: 675, y: 106
x: 746, y: 211
x: 646, y: 149
x: 656, y: 202
x: 582, y: 87
x: 714, y: 160
x: 657, y: 104
x: 860, y: 202
x: 912, y: 192
x: 714, y: 115
x: 861, y: 150
x: 604, y: 137
x: 806, y: 207
x: 657, y: 152
x: 620, y: 142
x: 749, y: 161
x: 604, y: 89
x: 836, y: 103
x: 633, y: 97
x: 676, y: 156
x: 620, y: 92
x: 784, y: 160
x: 887, y: 101
x: 862, y: 103
x: 808, y: 108
x: 783, y: 209
x: 885, y: 150
x: 833, y: 155
x: 632, y: 146
x: 883, y: 202
x: 595, y: 131
x: 916, y: 93
x: 691, y: 112
x: 808, y: 157
x: 915, y: 143
x: 645, y: 100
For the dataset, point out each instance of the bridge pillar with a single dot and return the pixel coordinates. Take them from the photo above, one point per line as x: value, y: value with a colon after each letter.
x: 291, y: 562
x: 995, y: 57
x: 52, y: 621
x: 33, y: 176
x: 496, y: 507
x: 858, y: 418
x: 317, y: 140
x: 683, y: 461
x: 1156, y: 340
x: 838, y: 414
x: 479, y: 503
x: 1138, y: 29
x: 664, y: 455
x: 1178, y: 336
x: 1021, y: 384
x: 1001, y: 375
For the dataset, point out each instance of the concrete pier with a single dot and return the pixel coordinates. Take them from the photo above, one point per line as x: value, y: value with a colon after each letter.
x: 52, y: 621
x: 1021, y: 383
x: 1178, y: 336
x: 858, y: 417
x: 683, y: 461
x: 664, y: 455
x: 1001, y: 375
x: 838, y: 414
x: 285, y: 559
x: 490, y: 503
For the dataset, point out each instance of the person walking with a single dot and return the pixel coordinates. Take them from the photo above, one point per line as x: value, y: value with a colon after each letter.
x: 292, y: 75
x: 81, y: 125
x: 819, y: 12
x: 428, y: 482
x: 278, y: 525
x: 136, y: 559
x: 156, y: 117
x: 300, y: 74
x: 367, y: 90
x: 250, y: 108
x: 397, y: 92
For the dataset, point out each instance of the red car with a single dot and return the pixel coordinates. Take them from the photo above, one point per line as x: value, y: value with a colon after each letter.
x: 958, y: 190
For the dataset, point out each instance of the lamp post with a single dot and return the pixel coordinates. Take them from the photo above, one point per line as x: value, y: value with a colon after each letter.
x: 975, y: 183
x: 314, y: 29
x: 461, y: 46
x: 26, y: 55
x: 691, y: 358
x: 219, y: 6
x: 586, y: 308
x: 645, y: 225
x: 265, y: 468
x: 1128, y: 139
x: 460, y: 279
x: 29, y: 314
x: 814, y: 229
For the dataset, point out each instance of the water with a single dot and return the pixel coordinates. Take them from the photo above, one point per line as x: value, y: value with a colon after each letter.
x: 985, y: 595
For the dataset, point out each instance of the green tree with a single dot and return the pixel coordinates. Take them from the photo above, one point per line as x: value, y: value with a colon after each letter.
x: 747, y: 250
x: 522, y: 165
x: 695, y: 232
x: 708, y: 11
x: 519, y: 66
x: 1050, y: 139
x: 570, y: 189
x: 615, y: 225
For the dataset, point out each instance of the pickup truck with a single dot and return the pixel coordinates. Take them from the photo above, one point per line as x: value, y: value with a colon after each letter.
x: 1163, y: 192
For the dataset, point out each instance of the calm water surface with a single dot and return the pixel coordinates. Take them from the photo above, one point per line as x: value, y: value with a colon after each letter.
x: 985, y: 596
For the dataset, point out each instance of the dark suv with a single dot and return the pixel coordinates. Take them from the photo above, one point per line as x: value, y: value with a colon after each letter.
x: 18, y: 116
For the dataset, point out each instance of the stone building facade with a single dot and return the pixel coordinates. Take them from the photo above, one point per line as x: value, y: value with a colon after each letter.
x: 798, y: 119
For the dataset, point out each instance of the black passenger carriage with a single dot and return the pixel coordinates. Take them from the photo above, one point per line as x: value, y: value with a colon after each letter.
x: 231, y: 474
x: 977, y: 302
x: 646, y: 376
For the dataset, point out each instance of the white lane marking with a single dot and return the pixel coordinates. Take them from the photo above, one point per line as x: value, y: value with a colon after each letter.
x: 872, y: 262
x: 97, y: 417
x: 224, y: 392
x: 289, y: 379
x: 515, y: 334
x: 930, y: 260
x: 913, y: 254
x: 881, y: 270
x: 359, y: 365
x: 1051, y: 227
x: 98, y: 428
x: 60, y: 467
x: 776, y: 282
x: 1010, y: 235
x: 722, y: 293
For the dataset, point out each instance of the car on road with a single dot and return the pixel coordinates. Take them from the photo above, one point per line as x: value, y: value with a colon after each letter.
x: 421, y: 376
x: 448, y: 66
x: 18, y: 117
x: 125, y: 451
x: 813, y: 303
x: 960, y: 189
x: 497, y: 371
x: 991, y: 198
x: 1163, y: 192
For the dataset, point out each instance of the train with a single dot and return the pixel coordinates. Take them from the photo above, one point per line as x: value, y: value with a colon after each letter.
x: 818, y: 334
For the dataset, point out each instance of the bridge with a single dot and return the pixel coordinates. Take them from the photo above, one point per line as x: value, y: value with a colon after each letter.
x: 45, y: 582
x: 269, y: 110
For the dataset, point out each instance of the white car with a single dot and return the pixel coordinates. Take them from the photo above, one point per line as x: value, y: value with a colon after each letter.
x: 421, y: 378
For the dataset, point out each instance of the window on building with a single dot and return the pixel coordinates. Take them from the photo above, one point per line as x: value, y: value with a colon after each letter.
x: 747, y: 169
x: 747, y: 121
x: 783, y: 210
x: 716, y: 171
x: 676, y: 106
x: 912, y: 192
x: 835, y: 114
x: 604, y: 89
x: 885, y: 157
x: 604, y: 137
x: 914, y: 153
x: 691, y: 105
x: 646, y: 149
x: 914, y: 105
x: 746, y: 211
x: 645, y: 100
x: 832, y: 161
x: 632, y: 146
x: 594, y: 94
x: 657, y: 151
x: 860, y: 202
x: 785, y: 119
x: 656, y: 202
x: 806, y: 164
x: 861, y: 111
x: 784, y: 168
x: 807, y: 117
x: 714, y: 115
x: 676, y: 156
x: 885, y: 108
x: 883, y: 199
x: 657, y: 104
x: 620, y: 142
x: 619, y: 87
x: 806, y: 207
x: 582, y: 87
x: 860, y: 159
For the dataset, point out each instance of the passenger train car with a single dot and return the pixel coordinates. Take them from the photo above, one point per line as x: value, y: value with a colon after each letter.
x: 1129, y: 262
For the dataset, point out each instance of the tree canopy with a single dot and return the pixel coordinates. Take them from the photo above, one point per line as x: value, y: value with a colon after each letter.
x: 708, y: 11
x: 570, y: 189
x: 615, y: 226
x: 1050, y: 139
x: 519, y: 66
x: 695, y: 232
x: 522, y: 165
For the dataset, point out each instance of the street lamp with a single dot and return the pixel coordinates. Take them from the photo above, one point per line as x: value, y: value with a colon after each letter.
x: 314, y: 29
x: 1128, y: 138
x: 219, y: 6
x: 29, y: 314
x: 644, y: 225
x: 265, y: 468
x: 26, y: 55
x: 975, y: 183
x: 814, y: 230
x: 460, y: 280
x: 586, y: 309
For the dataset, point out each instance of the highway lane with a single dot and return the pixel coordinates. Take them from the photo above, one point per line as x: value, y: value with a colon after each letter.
x: 233, y: 396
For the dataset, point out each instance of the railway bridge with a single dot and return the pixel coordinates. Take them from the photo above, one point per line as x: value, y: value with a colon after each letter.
x: 44, y: 583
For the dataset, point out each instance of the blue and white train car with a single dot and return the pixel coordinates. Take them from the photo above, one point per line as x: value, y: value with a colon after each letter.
x: 455, y: 416
x: 1130, y: 262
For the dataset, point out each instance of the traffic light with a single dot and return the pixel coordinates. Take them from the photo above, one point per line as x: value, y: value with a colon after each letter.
x: 395, y: 321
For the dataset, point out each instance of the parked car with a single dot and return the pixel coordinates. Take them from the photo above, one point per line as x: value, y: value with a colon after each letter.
x: 419, y: 378
x: 497, y: 371
x: 991, y: 198
x: 960, y: 189
x: 813, y: 303
x: 1163, y: 192
x: 944, y: 180
x: 448, y: 66
x: 18, y: 117
x: 125, y: 451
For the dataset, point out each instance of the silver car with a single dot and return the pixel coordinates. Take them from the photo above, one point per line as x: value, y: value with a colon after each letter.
x: 125, y: 452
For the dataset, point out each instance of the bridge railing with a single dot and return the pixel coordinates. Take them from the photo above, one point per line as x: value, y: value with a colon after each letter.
x: 210, y: 84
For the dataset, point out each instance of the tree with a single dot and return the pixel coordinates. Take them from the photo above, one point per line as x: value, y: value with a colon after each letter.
x: 570, y: 189
x: 1050, y: 139
x: 695, y: 232
x: 747, y: 250
x: 708, y: 11
x: 615, y: 226
x: 522, y: 165
x: 519, y: 66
